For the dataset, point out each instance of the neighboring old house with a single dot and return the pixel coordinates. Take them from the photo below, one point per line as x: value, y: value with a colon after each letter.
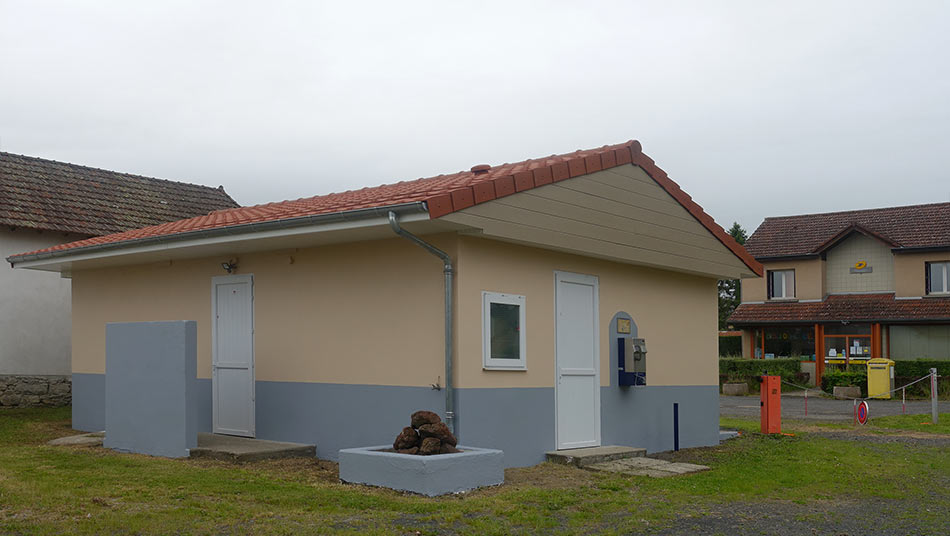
x: 321, y: 321
x: 45, y: 203
x: 850, y: 286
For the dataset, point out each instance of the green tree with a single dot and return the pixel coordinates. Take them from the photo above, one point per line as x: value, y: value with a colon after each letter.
x: 729, y: 288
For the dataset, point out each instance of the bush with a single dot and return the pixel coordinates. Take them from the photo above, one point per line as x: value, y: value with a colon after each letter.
x: 836, y: 378
x: 730, y: 346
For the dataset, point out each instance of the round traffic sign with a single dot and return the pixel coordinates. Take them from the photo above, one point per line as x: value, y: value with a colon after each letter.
x: 863, y: 412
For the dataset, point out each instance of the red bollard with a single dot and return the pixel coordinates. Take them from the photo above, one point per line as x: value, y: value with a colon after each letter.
x: 771, y: 403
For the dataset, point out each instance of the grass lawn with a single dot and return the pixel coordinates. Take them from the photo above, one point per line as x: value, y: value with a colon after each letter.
x: 52, y: 490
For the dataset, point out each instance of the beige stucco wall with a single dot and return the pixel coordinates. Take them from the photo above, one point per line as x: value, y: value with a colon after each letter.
x: 843, y: 256
x: 371, y: 312
x: 675, y: 313
x: 809, y: 281
x: 368, y: 313
x: 909, y: 275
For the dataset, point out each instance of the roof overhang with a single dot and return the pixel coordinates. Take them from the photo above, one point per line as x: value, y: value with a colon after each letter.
x: 922, y: 249
x: 340, y: 227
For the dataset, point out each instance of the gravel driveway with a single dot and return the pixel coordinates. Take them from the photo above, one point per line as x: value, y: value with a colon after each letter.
x: 884, y: 517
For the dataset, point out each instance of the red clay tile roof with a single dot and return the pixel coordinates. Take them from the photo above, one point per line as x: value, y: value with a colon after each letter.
x: 849, y: 307
x: 56, y: 196
x: 914, y: 226
x: 443, y: 195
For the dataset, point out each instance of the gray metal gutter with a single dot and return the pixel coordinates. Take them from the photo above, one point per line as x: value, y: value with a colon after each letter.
x: 448, y: 272
x: 244, y: 228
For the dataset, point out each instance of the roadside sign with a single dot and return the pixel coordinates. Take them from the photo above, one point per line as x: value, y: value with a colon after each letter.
x: 863, y: 412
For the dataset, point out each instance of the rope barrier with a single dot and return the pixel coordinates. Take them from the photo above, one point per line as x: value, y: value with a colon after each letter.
x: 922, y: 378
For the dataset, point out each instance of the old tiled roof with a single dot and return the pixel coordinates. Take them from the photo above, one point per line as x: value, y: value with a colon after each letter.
x: 443, y: 194
x: 56, y: 196
x: 915, y: 226
x: 849, y: 307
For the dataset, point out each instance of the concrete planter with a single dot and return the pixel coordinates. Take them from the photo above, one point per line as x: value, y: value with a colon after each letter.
x: 735, y: 389
x: 849, y: 391
x: 426, y: 475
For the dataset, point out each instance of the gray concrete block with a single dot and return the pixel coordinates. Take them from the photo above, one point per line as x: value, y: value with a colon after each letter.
x: 150, y: 387
x: 845, y: 392
x: 426, y: 475
x: 735, y: 389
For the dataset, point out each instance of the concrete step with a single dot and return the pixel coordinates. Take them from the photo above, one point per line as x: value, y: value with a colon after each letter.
x: 591, y: 455
x: 244, y: 449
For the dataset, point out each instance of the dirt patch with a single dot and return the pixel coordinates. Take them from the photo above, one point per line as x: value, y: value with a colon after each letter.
x: 299, y: 469
x: 47, y: 430
x: 546, y: 476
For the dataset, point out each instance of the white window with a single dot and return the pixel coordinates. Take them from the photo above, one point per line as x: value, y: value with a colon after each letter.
x: 938, y: 278
x: 503, y: 340
x: 781, y: 284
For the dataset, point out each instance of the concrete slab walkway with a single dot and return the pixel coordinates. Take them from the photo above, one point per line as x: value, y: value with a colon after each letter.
x: 244, y: 449
x: 214, y: 446
x: 647, y: 467
x: 584, y: 457
x: 83, y: 440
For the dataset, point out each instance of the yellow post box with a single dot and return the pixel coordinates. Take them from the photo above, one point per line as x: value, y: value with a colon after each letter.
x: 880, y: 377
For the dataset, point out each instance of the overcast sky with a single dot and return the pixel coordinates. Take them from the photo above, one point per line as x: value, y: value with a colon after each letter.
x: 754, y: 108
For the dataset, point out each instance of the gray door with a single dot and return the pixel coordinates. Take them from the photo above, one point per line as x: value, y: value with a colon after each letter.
x: 232, y: 355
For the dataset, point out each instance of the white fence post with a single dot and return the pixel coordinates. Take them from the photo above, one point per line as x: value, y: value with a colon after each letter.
x: 933, y: 395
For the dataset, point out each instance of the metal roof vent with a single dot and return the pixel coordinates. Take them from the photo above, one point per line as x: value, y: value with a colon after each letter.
x: 480, y: 169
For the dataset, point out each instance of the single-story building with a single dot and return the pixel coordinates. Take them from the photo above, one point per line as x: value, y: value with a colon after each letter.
x: 844, y: 287
x: 500, y: 297
x: 44, y: 203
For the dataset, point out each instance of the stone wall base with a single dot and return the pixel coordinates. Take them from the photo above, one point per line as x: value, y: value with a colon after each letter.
x: 35, y: 391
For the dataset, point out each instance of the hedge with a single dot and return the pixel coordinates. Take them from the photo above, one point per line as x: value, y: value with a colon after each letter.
x: 920, y: 367
x: 786, y: 368
x: 749, y: 371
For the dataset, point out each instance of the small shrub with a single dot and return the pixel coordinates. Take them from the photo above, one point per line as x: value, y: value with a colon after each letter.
x: 836, y: 378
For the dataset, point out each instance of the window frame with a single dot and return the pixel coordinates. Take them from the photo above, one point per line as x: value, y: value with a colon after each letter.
x: 770, y: 290
x: 928, y: 284
x: 488, y: 362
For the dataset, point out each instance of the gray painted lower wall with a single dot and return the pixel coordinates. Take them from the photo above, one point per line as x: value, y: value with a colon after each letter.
x: 643, y: 416
x: 89, y: 402
x: 520, y: 422
x: 337, y: 416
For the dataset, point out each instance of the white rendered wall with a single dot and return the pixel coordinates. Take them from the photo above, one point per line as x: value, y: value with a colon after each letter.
x: 35, y: 323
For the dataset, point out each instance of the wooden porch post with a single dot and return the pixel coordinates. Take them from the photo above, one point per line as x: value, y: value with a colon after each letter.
x: 875, y: 341
x: 819, y: 356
